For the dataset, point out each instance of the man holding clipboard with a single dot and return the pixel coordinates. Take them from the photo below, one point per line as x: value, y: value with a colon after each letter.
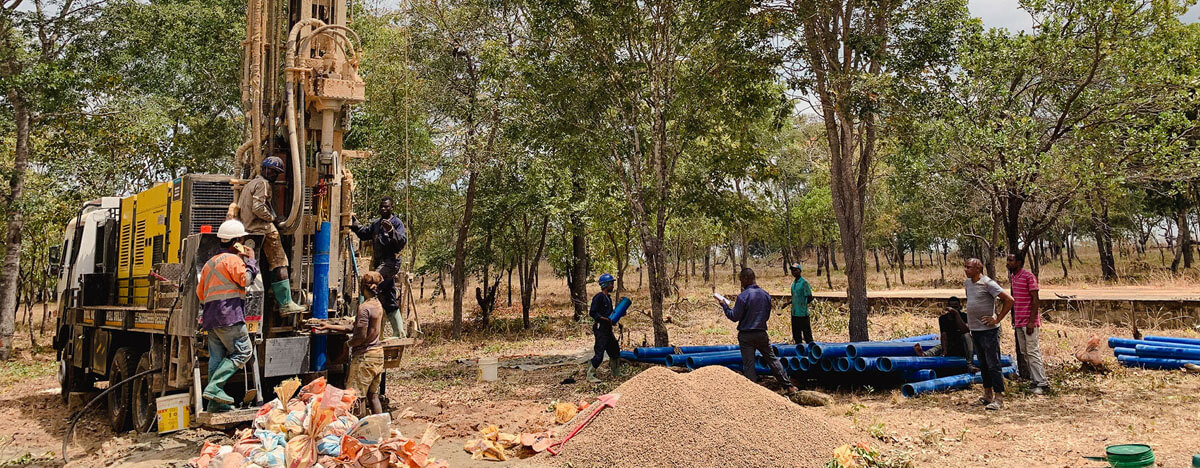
x: 751, y: 311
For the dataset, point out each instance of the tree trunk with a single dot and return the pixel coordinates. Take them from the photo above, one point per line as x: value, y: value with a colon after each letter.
x: 833, y: 258
x: 1108, y: 269
x: 875, y: 253
x: 527, y: 287
x: 459, y: 273
x: 579, y: 266
x: 1185, y: 236
x: 828, y: 271
x: 707, y: 263
x: 900, y: 261
x: 16, y: 222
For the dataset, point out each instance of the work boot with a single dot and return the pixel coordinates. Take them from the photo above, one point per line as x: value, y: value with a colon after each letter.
x: 394, y: 317
x: 591, y: 374
x: 218, y: 407
x: 614, y: 365
x: 283, y: 297
x: 215, y: 390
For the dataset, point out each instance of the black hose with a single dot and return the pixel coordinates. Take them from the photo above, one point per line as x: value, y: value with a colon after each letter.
x: 75, y: 419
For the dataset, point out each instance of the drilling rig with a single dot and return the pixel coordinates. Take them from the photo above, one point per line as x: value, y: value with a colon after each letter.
x: 128, y: 266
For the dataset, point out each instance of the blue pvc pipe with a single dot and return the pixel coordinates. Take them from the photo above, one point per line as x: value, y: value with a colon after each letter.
x: 1173, y: 339
x: 620, y: 310
x: 830, y: 350
x: 320, y: 309
x: 675, y: 360
x: 919, y: 375
x: 883, y: 348
x: 913, y: 389
x: 931, y: 336
x: 697, y: 361
x: 1115, y: 342
x: 842, y: 364
x: 785, y: 349
x: 890, y: 364
x: 828, y: 364
x: 666, y: 350
x: 1169, y: 352
x: 804, y: 364
x: 1154, y: 363
x: 1125, y: 351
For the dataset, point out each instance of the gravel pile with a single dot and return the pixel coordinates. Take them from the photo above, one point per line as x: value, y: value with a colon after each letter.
x: 711, y: 417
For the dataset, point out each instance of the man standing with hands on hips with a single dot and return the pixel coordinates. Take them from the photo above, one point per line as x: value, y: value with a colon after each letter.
x: 751, y: 311
x: 984, y: 323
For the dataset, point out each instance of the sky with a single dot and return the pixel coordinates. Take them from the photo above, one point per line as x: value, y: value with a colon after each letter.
x: 1008, y: 14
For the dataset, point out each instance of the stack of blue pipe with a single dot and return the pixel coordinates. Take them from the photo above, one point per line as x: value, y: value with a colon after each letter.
x: 1156, y: 352
x: 876, y: 363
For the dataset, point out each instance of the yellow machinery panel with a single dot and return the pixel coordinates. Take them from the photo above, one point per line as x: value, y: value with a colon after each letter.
x: 146, y: 240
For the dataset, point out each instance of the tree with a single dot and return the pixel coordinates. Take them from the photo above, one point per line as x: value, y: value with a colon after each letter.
x: 851, y: 56
x: 650, y: 84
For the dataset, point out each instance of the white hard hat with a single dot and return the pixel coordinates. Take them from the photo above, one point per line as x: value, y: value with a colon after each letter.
x: 231, y: 229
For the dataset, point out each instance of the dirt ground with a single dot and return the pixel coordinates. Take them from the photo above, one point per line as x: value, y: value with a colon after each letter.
x: 438, y: 385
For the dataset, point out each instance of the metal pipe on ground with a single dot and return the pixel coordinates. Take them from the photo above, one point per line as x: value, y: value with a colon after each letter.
x: 1154, y: 363
x: 876, y: 348
x: 913, y: 389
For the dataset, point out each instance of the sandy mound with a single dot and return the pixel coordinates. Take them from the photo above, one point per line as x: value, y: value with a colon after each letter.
x: 712, y: 417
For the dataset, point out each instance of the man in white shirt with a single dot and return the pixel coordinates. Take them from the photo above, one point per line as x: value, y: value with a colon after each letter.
x: 984, y: 323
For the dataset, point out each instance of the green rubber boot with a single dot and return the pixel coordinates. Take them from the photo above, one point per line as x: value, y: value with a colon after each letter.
x: 394, y: 318
x: 283, y: 297
x: 614, y: 365
x: 591, y: 374
x: 218, y: 407
x: 215, y: 390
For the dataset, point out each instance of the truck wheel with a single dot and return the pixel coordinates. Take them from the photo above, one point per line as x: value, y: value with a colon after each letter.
x: 144, y: 409
x: 70, y: 378
x: 120, y: 400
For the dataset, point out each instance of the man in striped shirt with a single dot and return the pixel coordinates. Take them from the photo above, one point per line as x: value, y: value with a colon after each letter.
x: 1027, y: 319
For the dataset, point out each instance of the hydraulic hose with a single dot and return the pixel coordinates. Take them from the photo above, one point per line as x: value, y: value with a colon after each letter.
x: 77, y: 416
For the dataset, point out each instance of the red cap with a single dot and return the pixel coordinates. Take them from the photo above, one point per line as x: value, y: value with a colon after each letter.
x: 205, y: 229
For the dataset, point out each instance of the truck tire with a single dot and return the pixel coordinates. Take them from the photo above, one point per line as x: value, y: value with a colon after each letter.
x: 120, y: 400
x: 70, y: 378
x: 144, y: 408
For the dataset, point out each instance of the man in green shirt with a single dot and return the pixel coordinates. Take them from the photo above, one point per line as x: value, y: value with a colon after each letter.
x: 801, y: 297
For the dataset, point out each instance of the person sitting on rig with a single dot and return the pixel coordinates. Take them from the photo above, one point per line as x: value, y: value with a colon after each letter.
x: 366, y: 351
x: 257, y: 215
x: 222, y: 291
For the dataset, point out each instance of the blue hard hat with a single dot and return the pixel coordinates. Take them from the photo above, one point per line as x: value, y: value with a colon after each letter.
x: 605, y: 279
x: 273, y: 162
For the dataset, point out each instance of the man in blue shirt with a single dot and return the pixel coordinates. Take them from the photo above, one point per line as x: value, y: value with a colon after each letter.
x: 801, y: 297
x: 387, y: 240
x: 751, y: 311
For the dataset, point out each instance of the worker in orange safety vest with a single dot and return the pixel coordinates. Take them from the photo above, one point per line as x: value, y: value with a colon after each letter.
x: 222, y: 291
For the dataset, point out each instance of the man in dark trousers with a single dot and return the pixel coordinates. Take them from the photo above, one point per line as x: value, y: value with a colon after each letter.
x: 602, y: 329
x: 387, y: 240
x: 751, y: 311
x: 801, y: 298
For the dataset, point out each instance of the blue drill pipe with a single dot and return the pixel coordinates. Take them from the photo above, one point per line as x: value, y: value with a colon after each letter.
x: 760, y: 370
x: 882, y: 348
x: 824, y: 350
x: 1173, y: 339
x: 666, y: 350
x: 827, y: 364
x: 784, y: 349
x: 675, y: 360
x: 913, y: 389
x: 1154, y: 363
x: 1125, y: 351
x: 620, y: 310
x: 1115, y: 342
x: 864, y: 364
x: 793, y: 363
x: 804, y: 364
x: 889, y: 364
x: 696, y: 361
x: 842, y: 364
x: 630, y: 356
x: 320, y: 307
x: 919, y: 375
x: 1169, y: 352
x: 931, y: 336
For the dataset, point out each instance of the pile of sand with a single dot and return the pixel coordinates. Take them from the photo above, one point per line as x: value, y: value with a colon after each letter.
x: 708, y: 418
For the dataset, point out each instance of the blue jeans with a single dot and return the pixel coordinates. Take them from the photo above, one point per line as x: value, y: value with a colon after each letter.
x: 232, y: 342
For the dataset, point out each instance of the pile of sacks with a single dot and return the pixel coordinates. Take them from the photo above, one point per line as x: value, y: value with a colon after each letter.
x: 316, y: 429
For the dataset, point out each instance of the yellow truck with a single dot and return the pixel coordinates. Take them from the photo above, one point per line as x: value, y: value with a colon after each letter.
x: 128, y: 266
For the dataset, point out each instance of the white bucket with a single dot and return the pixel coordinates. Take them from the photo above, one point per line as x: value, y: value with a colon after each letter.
x: 173, y: 413
x: 489, y: 369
